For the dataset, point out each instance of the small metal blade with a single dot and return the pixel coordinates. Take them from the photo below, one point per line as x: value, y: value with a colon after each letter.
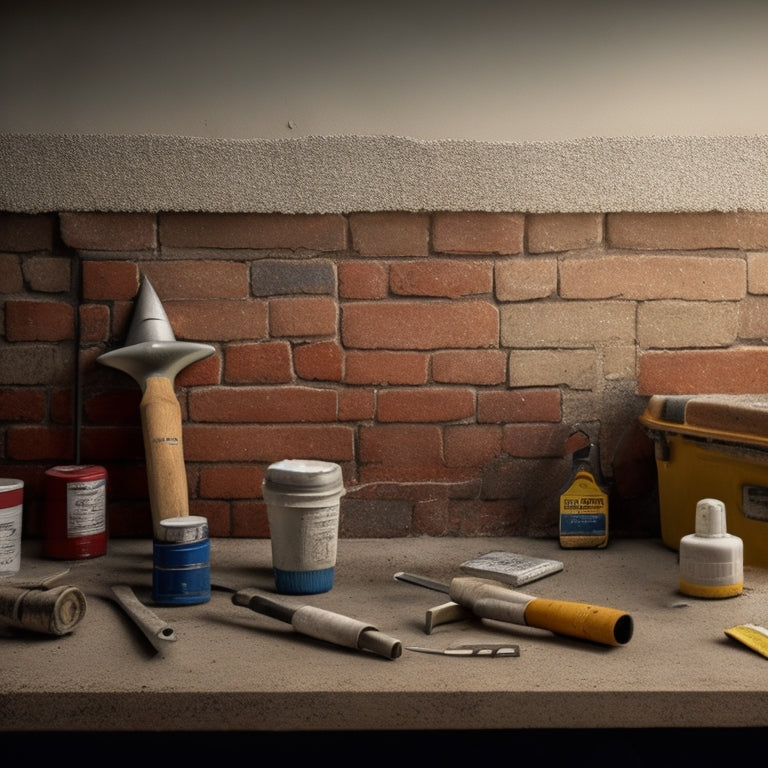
x: 422, y: 581
x: 480, y: 650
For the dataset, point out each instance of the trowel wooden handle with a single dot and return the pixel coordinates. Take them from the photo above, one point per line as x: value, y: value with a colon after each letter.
x: 164, y: 450
x: 608, y: 626
x: 491, y: 600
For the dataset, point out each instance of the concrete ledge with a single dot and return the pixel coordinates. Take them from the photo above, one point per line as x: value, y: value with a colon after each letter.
x: 235, y: 670
x: 342, y: 174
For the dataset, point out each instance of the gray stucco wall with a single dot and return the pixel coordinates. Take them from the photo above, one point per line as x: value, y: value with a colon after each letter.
x: 339, y: 174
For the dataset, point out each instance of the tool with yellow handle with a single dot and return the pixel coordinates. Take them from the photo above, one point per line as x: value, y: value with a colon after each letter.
x: 489, y: 599
x: 153, y: 357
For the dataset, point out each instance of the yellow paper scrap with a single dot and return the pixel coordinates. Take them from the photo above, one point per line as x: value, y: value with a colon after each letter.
x: 752, y: 636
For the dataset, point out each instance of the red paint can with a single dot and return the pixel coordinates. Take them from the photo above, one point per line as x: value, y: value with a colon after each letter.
x: 75, y: 512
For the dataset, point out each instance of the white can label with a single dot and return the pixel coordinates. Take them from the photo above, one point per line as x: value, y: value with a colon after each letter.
x: 86, y: 508
x: 10, y: 539
x: 304, y: 539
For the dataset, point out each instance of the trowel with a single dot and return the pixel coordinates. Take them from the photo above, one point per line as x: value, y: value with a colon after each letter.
x: 153, y: 357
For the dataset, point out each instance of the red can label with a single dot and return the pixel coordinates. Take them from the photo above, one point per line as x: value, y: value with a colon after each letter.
x: 76, y: 512
x: 86, y: 507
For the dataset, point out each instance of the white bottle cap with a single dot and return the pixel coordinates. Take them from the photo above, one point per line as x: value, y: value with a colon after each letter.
x: 710, y: 518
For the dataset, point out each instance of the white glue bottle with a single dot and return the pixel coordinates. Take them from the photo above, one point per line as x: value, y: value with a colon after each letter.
x: 711, y: 559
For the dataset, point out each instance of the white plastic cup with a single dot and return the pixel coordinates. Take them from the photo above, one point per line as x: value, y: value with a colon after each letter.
x: 11, y: 502
x: 303, y: 500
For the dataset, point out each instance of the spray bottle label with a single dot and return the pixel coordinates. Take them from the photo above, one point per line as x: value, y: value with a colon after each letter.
x: 583, y: 513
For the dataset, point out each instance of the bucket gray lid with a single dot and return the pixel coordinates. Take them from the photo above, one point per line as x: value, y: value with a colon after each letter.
x: 10, y: 484
x: 304, y: 475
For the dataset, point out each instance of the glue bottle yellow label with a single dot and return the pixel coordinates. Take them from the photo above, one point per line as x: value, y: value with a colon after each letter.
x: 583, y: 510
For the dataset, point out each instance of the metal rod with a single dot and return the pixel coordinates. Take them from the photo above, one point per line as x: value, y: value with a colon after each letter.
x: 157, y: 631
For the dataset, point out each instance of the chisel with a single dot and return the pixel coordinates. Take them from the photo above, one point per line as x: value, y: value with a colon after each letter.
x: 319, y: 623
x: 489, y: 599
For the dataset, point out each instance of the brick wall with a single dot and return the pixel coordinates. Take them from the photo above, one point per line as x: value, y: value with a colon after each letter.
x: 443, y: 359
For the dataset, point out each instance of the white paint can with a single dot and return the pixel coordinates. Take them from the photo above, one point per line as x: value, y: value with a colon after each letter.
x: 303, y: 504
x: 11, y: 503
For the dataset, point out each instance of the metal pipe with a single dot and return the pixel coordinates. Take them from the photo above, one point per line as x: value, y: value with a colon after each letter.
x: 157, y: 631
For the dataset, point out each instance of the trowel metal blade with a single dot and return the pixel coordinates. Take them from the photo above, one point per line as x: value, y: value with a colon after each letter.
x: 149, y: 323
x: 151, y: 348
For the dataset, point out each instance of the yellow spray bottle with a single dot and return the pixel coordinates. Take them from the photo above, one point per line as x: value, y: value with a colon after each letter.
x: 584, y: 503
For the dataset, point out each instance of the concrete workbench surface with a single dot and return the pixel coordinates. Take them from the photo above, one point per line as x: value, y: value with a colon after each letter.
x: 235, y: 670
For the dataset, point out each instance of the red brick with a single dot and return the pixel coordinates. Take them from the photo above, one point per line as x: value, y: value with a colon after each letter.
x: 431, y: 518
x: 38, y: 442
x: 113, y: 407
x: 356, y: 405
x: 414, y: 491
x: 306, y: 316
x: 11, y: 279
x: 363, y: 280
x: 536, y: 482
x: 122, y: 314
x: 321, y: 361
x: 326, y: 442
x: 518, y: 405
x: 249, y: 520
x: 262, y: 404
x: 321, y: 232
x: 60, y: 406
x: 687, y: 231
x: 535, y: 440
x: 110, y: 280
x: 420, y: 325
x: 423, y: 405
x: 471, y: 445
x: 488, y: 518
x: 482, y: 367
x: 554, y: 232
x: 374, y: 518
x: 231, y: 481
x: 109, y: 231
x: 186, y: 279
x: 94, y: 323
x: 386, y: 368
x: 264, y: 363
x: 39, y: 321
x: 390, y: 233
x: 478, y: 232
x: 48, y: 274
x: 204, y: 372
x: 398, y: 446
x: 34, y: 364
x: 741, y: 370
x: 451, y: 279
x: 23, y: 232
x: 217, y: 513
x: 112, y: 443
x: 217, y: 320
x: 129, y: 520
x: 22, y: 405
x: 128, y: 481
